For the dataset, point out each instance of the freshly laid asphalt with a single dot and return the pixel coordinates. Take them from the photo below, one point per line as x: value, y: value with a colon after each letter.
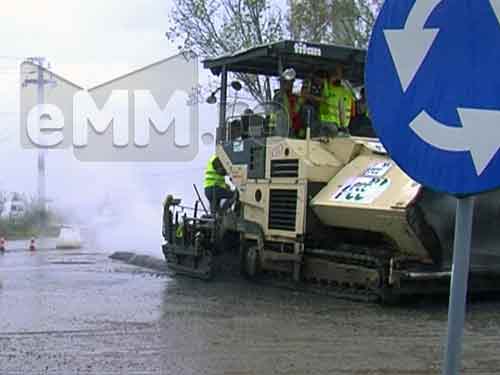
x: 79, y: 312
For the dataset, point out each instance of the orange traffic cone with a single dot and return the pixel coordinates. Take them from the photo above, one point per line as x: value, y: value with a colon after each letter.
x: 32, y: 245
x: 2, y: 244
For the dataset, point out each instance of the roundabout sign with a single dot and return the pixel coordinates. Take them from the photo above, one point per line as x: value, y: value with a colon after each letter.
x: 433, y: 90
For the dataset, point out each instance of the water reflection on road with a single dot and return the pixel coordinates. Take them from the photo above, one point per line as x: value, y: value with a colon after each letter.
x: 68, y: 310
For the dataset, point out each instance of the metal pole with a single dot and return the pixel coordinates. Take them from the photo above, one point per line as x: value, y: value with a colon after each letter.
x: 459, y: 279
x: 222, y: 105
x: 199, y: 199
x: 41, y: 153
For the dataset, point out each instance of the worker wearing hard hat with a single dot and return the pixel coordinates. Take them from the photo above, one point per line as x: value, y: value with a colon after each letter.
x: 336, y: 104
x: 215, y: 185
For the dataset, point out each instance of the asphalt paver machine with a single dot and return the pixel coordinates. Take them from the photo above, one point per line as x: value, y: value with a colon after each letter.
x: 332, y: 214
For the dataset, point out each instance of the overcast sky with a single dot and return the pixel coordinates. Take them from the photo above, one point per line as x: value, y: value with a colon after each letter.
x: 120, y: 34
x: 88, y: 42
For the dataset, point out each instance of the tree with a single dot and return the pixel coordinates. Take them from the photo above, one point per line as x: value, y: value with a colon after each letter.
x: 216, y: 27
x: 346, y: 22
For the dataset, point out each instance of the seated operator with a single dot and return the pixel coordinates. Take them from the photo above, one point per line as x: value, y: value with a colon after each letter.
x: 215, y: 185
x: 336, y: 104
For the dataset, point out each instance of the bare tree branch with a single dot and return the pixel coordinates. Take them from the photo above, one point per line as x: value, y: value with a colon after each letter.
x: 216, y: 27
x: 347, y: 22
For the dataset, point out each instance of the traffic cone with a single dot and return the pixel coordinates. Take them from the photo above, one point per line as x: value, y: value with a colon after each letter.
x: 2, y: 244
x: 32, y: 245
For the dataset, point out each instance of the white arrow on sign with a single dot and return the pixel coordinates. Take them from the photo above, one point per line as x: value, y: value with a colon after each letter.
x: 495, y: 4
x: 409, y: 46
x: 479, y: 134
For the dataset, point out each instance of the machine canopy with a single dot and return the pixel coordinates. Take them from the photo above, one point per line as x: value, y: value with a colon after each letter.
x: 305, y: 58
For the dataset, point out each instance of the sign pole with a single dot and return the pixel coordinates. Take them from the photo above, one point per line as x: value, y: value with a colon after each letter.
x: 459, y: 279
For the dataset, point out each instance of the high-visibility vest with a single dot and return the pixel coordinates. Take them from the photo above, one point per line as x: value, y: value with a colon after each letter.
x: 179, y: 232
x: 329, y: 110
x: 212, y: 178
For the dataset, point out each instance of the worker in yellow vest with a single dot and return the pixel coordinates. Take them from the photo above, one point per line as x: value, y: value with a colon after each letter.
x: 215, y: 185
x: 336, y: 104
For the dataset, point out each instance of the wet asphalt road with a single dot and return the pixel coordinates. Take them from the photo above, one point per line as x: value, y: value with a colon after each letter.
x: 77, y: 312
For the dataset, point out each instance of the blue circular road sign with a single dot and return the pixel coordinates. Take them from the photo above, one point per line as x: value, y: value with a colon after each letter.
x: 433, y: 87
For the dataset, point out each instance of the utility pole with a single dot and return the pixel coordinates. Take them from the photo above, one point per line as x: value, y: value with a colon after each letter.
x: 40, y: 81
